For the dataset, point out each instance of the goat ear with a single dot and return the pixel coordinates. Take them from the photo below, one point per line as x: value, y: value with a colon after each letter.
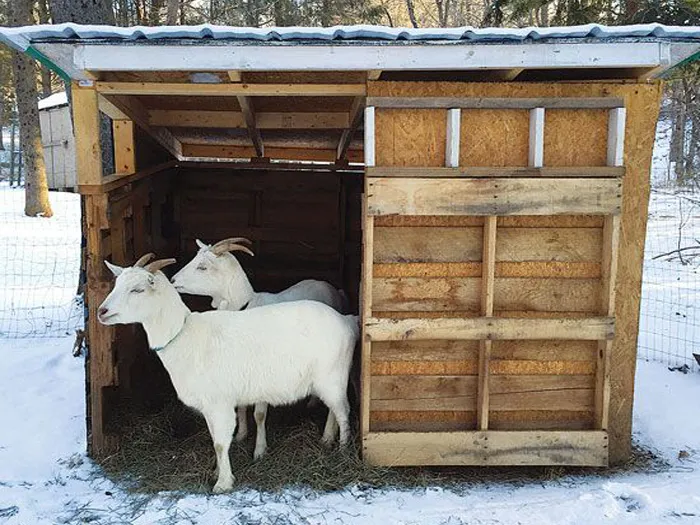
x: 116, y: 270
x: 200, y: 244
x: 151, y: 281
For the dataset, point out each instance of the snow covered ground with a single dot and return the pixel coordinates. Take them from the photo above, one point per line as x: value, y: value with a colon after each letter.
x: 45, y: 477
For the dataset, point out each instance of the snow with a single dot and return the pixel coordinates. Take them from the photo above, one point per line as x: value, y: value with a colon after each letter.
x: 22, y: 37
x: 52, y: 101
x: 39, y: 266
x: 46, y: 478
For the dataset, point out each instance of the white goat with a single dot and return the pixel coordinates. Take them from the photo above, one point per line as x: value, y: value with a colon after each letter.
x: 216, y: 273
x: 218, y: 360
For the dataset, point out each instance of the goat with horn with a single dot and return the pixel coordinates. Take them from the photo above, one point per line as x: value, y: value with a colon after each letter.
x: 216, y: 273
x: 219, y: 360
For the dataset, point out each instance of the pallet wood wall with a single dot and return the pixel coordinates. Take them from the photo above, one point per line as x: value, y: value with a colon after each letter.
x: 431, y: 266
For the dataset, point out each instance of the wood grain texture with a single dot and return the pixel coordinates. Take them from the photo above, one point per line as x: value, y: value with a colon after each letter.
x: 479, y: 171
x: 86, y: 121
x: 575, y: 137
x: 396, y: 129
x: 387, y: 196
x: 572, y: 270
x: 642, y: 105
x: 523, y: 221
x: 584, y: 448
x: 495, y: 138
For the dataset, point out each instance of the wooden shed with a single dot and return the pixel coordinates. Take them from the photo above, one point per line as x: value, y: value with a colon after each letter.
x: 58, y: 142
x: 487, y: 221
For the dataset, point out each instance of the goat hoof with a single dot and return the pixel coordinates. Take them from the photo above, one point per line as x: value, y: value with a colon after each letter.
x: 258, y: 454
x: 221, y: 488
x: 327, y: 441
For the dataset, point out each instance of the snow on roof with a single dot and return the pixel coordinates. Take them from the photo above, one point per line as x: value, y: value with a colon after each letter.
x: 22, y: 37
x: 55, y: 100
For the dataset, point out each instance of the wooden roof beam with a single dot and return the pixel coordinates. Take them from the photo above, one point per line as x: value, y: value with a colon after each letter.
x: 354, y: 117
x: 254, y: 133
x: 219, y: 151
x: 235, y: 119
x: 132, y: 109
x: 230, y: 90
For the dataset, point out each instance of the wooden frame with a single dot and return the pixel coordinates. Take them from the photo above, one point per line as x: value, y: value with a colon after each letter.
x: 483, y: 172
x: 230, y: 90
x: 495, y: 103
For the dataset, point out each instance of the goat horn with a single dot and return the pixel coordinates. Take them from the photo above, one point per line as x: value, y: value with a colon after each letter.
x: 231, y: 245
x: 143, y: 260
x: 159, y: 264
x: 235, y: 240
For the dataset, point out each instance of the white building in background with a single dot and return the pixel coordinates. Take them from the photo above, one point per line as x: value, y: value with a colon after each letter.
x: 59, y: 144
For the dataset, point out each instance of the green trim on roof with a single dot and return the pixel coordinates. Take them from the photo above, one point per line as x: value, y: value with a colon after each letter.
x: 45, y: 61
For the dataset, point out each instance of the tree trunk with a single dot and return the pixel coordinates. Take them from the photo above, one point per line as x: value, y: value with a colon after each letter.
x: 36, y: 189
x: 13, y: 146
x: 411, y: 13
x: 172, y: 16
x: 45, y: 72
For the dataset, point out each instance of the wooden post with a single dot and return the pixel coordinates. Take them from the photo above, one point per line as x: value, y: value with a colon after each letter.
x: 488, y: 272
x: 124, y: 148
x: 536, y: 156
x: 452, y: 146
x: 369, y: 137
x: 86, y: 123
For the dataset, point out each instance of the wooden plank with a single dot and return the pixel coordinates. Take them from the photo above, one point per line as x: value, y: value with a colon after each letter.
x: 582, y: 448
x: 487, y: 298
x: 109, y: 109
x: 593, y: 328
x: 585, y: 351
x: 424, y: 351
x: 473, y: 366
x: 124, y: 148
x: 86, y: 121
x: 534, y: 269
x: 494, y: 196
x: 427, y: 244
x: 498, y: 172
x: 354, y: 120
x: 366, y: 304
x: 137, y: 112
x: 253, y: 132
x: 112, y: 182
x: 549, y: 244
x: 235, y: 119
x: 370, y: 153
x: 452, y: 146
x: 616, y: 136
x: 214, y: 151
x: 464, y: 294
x: 536, y: 148
x: 611, y: 241
x: 234, y: 76
x: 230, y: 90
x: 495, y: 103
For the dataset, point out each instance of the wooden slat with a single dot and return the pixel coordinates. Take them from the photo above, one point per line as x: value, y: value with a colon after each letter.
x: 86, y: 121
x: 536, y: 142
x: 544, y: 351
x: 464, y: 293
x: 487, y: 298
x: 230, y: 90
x: 493, y: 196
x: 235, y: 119
x: 534, y: 269
x: 354, y: 121
x: 481, y: 172
x: 452, y: 146
x: 514, y: 221
x: 495, y: 103
x: 217, y: 151
x: 366, y: 302
x: 487, y: 328
x: 112, y: 182
x: 370, y: 132
x: 582, y: 448
x: 424, y: 351
x: 109, y: 109
x: 611, y: 241
x: 473, y: 366
x: 616, y: 136
x: 124, y: 148
x: 253, y: 132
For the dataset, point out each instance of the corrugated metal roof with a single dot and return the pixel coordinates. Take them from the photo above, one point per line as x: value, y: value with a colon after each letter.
x: 22, y: 37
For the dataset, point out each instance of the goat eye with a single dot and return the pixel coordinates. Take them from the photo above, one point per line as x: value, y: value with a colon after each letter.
x: 201, y: 268
x: 137, y: 290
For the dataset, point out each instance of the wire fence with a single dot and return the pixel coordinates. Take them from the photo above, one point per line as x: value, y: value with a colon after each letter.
x: 670, y: 320
x: 39, y: 266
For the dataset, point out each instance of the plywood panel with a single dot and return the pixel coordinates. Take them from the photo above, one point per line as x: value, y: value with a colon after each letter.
x: 411, y: 137
x: 495, y: 138
x: 575, y: 137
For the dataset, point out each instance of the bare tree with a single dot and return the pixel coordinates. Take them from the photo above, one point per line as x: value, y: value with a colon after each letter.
x: 36, y: 201
x: 411, y: 12
x: 172, y: 15
x: 43, y: 11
